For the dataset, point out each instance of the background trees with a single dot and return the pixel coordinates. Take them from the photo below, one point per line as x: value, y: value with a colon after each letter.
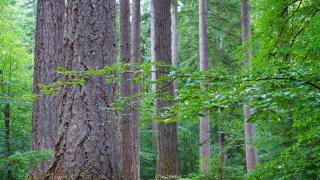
x: 16, y: 87
x: 282, y: 86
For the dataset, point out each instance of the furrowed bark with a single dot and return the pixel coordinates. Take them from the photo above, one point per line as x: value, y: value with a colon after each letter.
x: 250, y: 134
x: 136, y: 59
x: 48, y: 56
x: 204, y: 121
x: 167, y: 158
x: 86, y: 143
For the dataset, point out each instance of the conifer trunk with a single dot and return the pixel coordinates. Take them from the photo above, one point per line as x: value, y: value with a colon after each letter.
x: 48, y: 56
x: 250, y: 132
x: 126, y: 123
x: 86, y: 143
x: 204, y: 121
x: 167, y: 157
x: 136, y: 59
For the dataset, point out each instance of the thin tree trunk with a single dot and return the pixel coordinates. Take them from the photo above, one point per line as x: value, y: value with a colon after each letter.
x: 86, y: 143
x: 222, y: 155
x: 204, y: 121
x: 7, y: 118
x: 48, y: 56
x: 6, y: 113
x: 136, y: 59
x: 250, y: 134
x: 167, y: 158
x: 126, y: 124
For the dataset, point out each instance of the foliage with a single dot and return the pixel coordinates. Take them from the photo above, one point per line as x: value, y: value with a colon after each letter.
x: 21, y: 163
x: 16, y: 87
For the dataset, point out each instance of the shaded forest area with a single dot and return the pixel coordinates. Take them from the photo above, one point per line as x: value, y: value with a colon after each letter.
x: 159, y: 89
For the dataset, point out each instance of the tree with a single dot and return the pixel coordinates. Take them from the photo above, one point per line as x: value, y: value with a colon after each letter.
x: 250, y: 132
x: 86, y: 143
x: 126, y: 124
x: 204, y: 121
x: 136, y: 59
x: 48, y: 56
x: 167, y: 158
x: 7, y: 115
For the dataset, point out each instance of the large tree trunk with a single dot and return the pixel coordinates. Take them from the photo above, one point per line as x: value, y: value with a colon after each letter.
x: 167, y: 158
x: 250, y: 134
x: 86, y: 143
x: 48, y: 56
x: 126, y: 124
x: 136, y: 59
x: 204, y: 121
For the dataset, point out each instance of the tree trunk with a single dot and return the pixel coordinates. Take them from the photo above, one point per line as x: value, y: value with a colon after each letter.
x: 48, y: 56
x: 7, y: 117
x: 222, y: 155
x: 126, y: 124
x: 86, y: 143
x: 6, y: 113
x: 167, y: 158
x: 136, y: 59
x: 250, y: 134
x: 204, y: 121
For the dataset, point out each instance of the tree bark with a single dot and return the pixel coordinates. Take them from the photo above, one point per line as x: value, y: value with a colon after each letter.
x: 136, y: 59
x: 250, y: 134
x: 86, y: 143
x: 204, y: 121
x: 48, y: 56
x: 167, y: 158
x: 126, y: 124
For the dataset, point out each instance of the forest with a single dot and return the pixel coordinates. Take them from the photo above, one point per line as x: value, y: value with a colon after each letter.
x: 159, y: 89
